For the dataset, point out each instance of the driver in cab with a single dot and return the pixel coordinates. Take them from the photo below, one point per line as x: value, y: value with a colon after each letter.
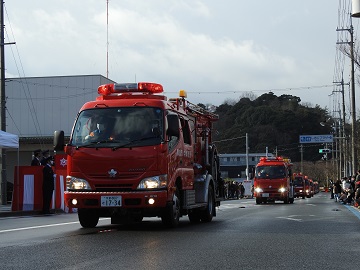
x: 100, y: 131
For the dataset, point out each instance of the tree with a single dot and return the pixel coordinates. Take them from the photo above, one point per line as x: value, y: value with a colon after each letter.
x: 271, y: 122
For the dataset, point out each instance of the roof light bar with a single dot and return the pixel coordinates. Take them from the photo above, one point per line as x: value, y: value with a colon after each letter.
x: 150, y: 87
x: 141, y: 87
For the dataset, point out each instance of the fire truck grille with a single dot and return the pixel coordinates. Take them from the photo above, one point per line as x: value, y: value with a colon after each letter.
x: 119, y: 176
x: 113, y: 187
x: 270, y: 190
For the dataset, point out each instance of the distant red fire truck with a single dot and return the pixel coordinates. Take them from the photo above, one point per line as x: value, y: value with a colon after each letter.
x: 273, y: 180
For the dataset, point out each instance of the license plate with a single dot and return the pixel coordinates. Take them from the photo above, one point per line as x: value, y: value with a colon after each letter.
x: 265, y: 194
x: 110, y: 201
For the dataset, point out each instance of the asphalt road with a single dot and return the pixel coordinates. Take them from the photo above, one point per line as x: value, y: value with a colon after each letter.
x: 309, y: 234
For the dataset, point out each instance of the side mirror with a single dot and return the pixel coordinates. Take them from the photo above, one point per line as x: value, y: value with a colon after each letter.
x: 59, y: 140
x: 173, y: 125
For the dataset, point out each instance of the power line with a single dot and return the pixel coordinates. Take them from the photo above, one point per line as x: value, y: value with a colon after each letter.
x: 259, y: 90
x: 26, y: 89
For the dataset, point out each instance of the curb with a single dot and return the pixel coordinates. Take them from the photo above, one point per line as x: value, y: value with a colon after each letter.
x: 27, y: 213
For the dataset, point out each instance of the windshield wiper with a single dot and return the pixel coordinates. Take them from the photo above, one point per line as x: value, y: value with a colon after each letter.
x: 133, y: 141
x: 96, y: 143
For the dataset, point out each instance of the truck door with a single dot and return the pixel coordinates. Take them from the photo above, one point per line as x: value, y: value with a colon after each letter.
x: 291, y: 182
x: 188, y: 153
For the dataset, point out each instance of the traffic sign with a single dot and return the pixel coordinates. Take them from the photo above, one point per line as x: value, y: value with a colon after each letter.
x: 327, y: 138
x: 322, y: 151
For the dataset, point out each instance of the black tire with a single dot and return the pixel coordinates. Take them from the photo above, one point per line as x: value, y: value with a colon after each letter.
x: 138, y: 219
x: 208, y: 214
x: 215, y: 173
x: 88, y: 218
x: 286, y: 200
x: 194, y: 216
x: 172, y: 212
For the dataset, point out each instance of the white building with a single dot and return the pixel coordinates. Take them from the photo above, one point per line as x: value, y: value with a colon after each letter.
x: 37, y: 106
x: 234, y: 165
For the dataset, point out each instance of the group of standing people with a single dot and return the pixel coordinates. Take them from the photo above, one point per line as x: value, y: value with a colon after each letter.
x: 347, y: 190
x: 234, y: 190
x: 43, y: 158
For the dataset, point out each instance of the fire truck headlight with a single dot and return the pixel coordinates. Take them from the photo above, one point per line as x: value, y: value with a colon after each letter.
x: 74, y: 183
x: 258, y: 190
x: 154, y: 182
x: 282, y: 189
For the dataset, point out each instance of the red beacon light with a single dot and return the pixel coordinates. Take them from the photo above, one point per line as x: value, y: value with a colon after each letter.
x: 141, y: 87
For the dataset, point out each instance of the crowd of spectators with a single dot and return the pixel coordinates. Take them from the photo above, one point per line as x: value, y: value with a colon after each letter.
x: 347, y: 190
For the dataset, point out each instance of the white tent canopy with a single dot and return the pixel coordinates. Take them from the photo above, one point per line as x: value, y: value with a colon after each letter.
x: 8, y: 140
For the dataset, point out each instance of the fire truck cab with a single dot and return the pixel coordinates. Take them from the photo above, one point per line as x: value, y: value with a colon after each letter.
x: 133, y: 153
x: 273, y: 180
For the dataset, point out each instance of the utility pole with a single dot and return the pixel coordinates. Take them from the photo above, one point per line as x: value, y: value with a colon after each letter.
x: 343, y: 149
x: 247, y: 157
x: 302, y: 158
x: 353, y: 109
x: 3, y: 104
x: 3, y: 111
x: 107, y: 38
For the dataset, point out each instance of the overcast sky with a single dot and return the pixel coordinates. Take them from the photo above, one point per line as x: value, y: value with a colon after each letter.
x: 217, y: 50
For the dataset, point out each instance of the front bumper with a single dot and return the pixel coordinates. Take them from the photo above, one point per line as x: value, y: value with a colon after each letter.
x: 138, y: 199
x: 271, y: 195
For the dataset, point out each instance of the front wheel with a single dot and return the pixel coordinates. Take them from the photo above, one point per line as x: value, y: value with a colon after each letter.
x: 172, y: 212
x: 286, y: 200
x: 208, y: 214
x: 194, y: 216
x: 88, y: 218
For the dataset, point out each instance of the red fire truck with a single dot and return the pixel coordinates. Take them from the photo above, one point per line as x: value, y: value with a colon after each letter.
x: 307, y: 187
x: 312, y: 188
x: 273, y: 180
x: 133, y: 153
x: 299, y: 185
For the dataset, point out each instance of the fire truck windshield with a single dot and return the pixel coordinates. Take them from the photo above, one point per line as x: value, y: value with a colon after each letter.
x: 298, y: 182
x: 114, y: 127
x: 271, y: 172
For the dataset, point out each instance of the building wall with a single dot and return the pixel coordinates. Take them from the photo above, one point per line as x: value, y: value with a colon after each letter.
x: 234, y: 165
x: 37, y: 106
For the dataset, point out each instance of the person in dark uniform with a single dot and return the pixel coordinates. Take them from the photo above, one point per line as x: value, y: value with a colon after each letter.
x: 45, y: 155
x: 48, y: 184
x: 36, y: 160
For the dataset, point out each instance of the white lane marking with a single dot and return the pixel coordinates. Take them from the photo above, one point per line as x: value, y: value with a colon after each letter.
x: 291, y: 218
x: 42, y: 226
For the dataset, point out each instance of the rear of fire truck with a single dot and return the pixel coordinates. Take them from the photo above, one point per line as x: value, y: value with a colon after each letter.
x: 273, y: 180
x: 133, y: 153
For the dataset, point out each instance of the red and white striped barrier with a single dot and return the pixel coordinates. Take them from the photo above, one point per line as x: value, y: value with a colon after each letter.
x: 27, y: 192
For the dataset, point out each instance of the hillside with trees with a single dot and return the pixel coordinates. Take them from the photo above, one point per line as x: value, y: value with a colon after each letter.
x: 273, y: 123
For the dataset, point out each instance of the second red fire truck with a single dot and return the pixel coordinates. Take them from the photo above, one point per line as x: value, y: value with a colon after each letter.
x: 273, y: 180
x: 299, y: 185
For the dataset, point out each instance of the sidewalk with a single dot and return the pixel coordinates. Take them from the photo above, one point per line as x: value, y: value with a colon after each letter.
x: 5, y: 211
